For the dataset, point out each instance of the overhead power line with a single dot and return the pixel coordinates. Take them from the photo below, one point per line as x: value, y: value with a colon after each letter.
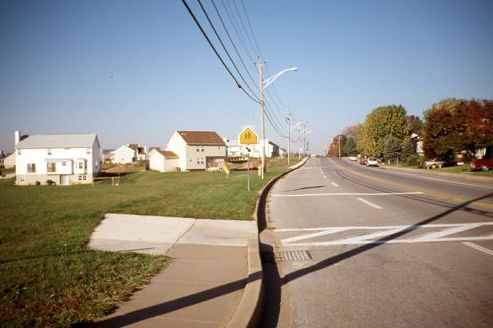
x: 224, y: 48
x: 214, y: 49
x: 233, y: 44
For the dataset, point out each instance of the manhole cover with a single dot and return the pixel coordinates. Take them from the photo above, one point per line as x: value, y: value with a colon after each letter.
x: 286, y: 256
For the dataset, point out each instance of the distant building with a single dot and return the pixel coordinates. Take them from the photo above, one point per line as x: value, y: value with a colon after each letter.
x: 9, y: 161
x: 59, y: 158
x: 124, y: 155
x: 163, y: 161
x: 108, y: 155
x: 197, y: 150
x: 417, y: 143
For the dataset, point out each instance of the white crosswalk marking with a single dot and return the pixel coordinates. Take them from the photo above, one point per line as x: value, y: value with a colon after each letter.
x: 379, y: 234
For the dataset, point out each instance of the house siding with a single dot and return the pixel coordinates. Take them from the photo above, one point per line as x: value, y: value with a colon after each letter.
x: 71, y: 165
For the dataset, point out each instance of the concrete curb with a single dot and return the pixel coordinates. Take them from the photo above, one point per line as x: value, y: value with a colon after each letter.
x: 249, y: 310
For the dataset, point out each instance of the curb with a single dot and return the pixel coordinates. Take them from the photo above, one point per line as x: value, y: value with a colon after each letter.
x: 248, y: 312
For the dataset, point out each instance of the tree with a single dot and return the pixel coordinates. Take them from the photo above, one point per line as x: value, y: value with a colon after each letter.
x: 382, y: 121
x: 392, y: 147
x: 350, y: 147
x: 453, y: 125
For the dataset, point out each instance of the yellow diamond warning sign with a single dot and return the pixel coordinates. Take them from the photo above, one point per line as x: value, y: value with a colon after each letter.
x: 247, y: 137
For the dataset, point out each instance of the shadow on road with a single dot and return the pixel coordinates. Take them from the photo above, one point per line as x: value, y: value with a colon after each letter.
x: 275, y: 282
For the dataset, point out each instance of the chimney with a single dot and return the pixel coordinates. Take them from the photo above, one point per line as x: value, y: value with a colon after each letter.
x: 17, y: 137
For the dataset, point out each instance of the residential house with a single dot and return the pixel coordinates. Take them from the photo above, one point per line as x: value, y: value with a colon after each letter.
x: 124, y: 155
x: 163, y: 161
x: 417, y: 144
x: 57, y: 158
x: 9, y: 161
x: 140, y: 152
x: 108, y: 155
x: 197, y: 150
x: 271, y: 149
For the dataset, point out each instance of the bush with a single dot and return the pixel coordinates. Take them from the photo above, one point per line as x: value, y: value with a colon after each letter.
x: 413, y: 160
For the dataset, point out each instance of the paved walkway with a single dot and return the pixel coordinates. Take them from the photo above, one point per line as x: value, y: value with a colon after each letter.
x: 202, y: 286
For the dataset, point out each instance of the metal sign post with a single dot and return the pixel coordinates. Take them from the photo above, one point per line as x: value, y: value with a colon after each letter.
x: 247, y: 137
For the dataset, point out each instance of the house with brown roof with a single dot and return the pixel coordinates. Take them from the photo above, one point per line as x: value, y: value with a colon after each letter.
x: 163, y: 161
x: 197, y: 150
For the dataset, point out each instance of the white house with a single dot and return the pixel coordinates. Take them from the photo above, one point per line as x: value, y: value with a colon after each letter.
x: 124, y: 155
x: 60, y: 158
x: 197, y: 150
x: 271, y: 149
x: 163, y: 161
x: 9, y: 161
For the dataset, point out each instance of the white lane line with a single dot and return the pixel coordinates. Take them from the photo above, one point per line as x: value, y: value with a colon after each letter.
x: 351, y: 194
x: 334, y: 184
x: 479, y: 248
x: 325, y: 177
x: 369, y: 203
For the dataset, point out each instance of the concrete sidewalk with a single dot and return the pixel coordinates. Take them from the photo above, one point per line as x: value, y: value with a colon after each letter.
x: 204, y: 283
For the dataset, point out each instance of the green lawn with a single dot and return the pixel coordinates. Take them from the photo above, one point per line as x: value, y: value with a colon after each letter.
x: 49, y: 278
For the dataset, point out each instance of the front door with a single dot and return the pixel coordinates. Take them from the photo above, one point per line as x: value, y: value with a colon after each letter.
x: 64, y: 180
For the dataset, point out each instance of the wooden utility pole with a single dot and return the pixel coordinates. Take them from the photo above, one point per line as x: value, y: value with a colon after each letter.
x: 288, y: 120
x: 262, y: 110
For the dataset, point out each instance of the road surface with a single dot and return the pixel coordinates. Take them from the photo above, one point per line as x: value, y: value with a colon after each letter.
x: 370, y: 247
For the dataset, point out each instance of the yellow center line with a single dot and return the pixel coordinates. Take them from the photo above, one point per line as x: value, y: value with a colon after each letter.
x: 428, y: 192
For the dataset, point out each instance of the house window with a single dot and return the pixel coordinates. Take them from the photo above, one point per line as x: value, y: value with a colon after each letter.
x: 18, y: 151
x: 80, y: 177
x: 84, y: 177
x: 31, y: 168
x: 198, y: 149
x: 51, y: 167
x: 88, y: 151
x: 64, y: 163
x: 81, y: 165
x: 49, y: 151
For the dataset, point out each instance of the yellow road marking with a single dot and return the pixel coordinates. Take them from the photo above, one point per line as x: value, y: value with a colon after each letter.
x: 401, y: 186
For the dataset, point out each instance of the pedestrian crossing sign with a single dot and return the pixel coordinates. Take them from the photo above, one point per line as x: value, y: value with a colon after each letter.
x: 247, y: 137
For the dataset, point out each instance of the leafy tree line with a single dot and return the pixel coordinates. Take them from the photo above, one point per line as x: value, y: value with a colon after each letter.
x: 450, y: 126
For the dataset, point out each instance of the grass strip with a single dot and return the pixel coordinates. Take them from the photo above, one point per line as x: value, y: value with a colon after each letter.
x: 47, y: 275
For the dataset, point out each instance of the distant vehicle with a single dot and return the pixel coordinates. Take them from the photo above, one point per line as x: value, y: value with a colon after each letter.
x: 313, y: 155
x: 363, y: 160
x: 372, y: 161
x: 438, y: 163
x: 353, y: 158
x: 482, y: 164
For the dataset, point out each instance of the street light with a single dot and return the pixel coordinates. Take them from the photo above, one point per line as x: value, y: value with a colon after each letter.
x: 262, y: 85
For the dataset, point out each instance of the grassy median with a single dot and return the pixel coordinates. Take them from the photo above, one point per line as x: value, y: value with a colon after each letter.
x: 49, y: 278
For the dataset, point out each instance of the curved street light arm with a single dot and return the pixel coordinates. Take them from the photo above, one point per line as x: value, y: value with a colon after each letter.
x: 274, y: 77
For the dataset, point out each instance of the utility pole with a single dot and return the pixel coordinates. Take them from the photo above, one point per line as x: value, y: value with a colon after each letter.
x: 262, y: 110
x: 289, y: 117
x: 339, y: 145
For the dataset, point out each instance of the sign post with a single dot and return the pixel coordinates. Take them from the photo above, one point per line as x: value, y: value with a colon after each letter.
x: 247, y: 137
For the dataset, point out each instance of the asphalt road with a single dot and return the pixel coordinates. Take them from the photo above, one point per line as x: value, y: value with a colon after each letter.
x: 373, y: 247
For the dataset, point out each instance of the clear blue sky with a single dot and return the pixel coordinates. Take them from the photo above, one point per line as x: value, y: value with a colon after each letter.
x: 136, y: 71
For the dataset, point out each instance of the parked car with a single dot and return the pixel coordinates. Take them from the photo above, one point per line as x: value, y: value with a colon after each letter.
x: 438, y: 163
x: 482, y: 164
x: 353, y: 158
x: 372, y: 161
